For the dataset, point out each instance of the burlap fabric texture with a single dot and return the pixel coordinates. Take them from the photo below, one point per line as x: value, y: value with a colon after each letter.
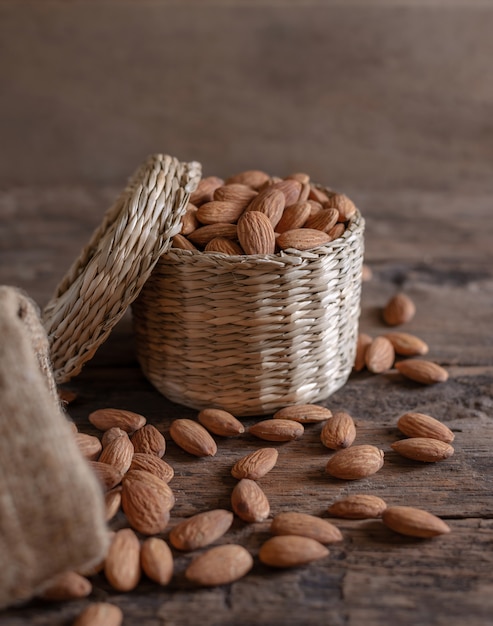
x: 51, y: 505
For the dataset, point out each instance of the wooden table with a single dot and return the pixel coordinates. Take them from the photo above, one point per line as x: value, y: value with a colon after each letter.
x: 437, y: 248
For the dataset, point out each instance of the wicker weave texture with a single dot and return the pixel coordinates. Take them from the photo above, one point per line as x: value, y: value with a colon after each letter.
x: 116, y: 262
x: 251, y: 334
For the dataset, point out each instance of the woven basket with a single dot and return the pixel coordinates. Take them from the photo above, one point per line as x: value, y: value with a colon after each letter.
x: 251, y: 334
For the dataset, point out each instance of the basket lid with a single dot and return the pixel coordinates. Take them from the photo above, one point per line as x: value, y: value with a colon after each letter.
x: 118, y: 259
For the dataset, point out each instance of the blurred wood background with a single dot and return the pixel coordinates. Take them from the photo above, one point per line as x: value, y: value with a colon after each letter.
x: 363, y: 95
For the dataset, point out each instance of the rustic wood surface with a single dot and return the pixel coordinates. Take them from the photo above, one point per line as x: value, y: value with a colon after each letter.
x: 436, y: 247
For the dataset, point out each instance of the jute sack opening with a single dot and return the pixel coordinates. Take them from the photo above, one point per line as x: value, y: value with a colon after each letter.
x: 251, y: 334
x: 51, y: 505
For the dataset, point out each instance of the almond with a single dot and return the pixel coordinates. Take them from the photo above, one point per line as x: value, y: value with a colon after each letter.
x: 89, y: 446
x: 291, y: 551
x: 294, y: 216
x: 107, y: 475
x: 118, y: 453
x: 318, y: 194
x: 421, y: 425
x: 221, y: 565
x: 271, y: 202
x: 364, y: 341
x: 67, y: 396
x: 355, y: 462
x: 423, y: 449
x: 305, y: 192
x: 302, y: 239
x: 256, y: 234
x: 253, y: 178
x: 399, y: 310
x: 67, y: 586
x: 204, y: 234
x: 343, y: 204
x: 100, y: 614
x: 256, y: 464
x: 104, y: 419
x: 379, y: 355
x: 294, y: 523
x: 421, y: 371
x: 192, y: 437
x: 148, y: 439
x: 112, y: 502
x: 235, y: 193
x: 277, y: 430
x: 358, y: 506
x: 220, y: 422
x: 182, y: 243
x: 111, y: 434
x: 156, y: 560
x: 336, y: 231
x: 205, y: 190
x: 224, y: 246
x: 315, y: 207
x: 201, y: 529
x: 324, y: 220
x: 189, y: 221
x: 406, y: 344
x: 146, y: 501
x: 122, y: 563
x: 338, y: 432
x: 290, y: 188
x: 249, y: 502
x: 153, y: 464
x: 301, y: 177
x: 219, y: 212
x: 414, y: 522
x: 304, y: 413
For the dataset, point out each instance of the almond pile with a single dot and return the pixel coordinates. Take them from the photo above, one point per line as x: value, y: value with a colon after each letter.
x: 254, y: 213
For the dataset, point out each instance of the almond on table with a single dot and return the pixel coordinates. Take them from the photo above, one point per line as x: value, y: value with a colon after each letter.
x: 201, y: 529
x: 358, y: 506
x: 338, y: 432
x: 415, y: 424
x: 291, y: 551
x: 423, y: 449
x: 422, y: 371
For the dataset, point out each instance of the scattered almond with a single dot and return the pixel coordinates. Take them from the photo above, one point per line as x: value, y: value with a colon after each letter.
x: 364, y: 341
x: 421, y: 371
x: 379, y: 355
x: 118, y: 453
x: 414, y: 522
x: 421, y: 425
x: 100, y: 614
x: 304, y: 413
x: 67, y: 586
x: 338, y: 432
x: 122, y: 563
x: 249, y: 502
x: 89, y: 446
x: 277, y: 430
x: 220, y: 422
x: 423, y: 449
x: 146, y: 501
x: 112, y: 501
x: 406, y: 344
x: 400, y: 309
x: 355, y: 462
x: 107, y: 475
x: 192, y: 437
x: 153, y: 464
x: 156, y: 560
x: 256, y: 464
x: 104, y: 419
x: 201, y: 529
x: 291, y: 551
x: 148, y: 439
x: 358, y: 506
x: 220, y: 565
x: 111, y: 434
x: 294, y: 523
x: 67, y: 396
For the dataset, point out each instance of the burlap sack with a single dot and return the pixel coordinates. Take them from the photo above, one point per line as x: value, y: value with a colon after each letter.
x: 51, y: 506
